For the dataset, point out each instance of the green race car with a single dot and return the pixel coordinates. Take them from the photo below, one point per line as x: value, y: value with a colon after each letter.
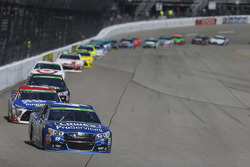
x: 179, y: 39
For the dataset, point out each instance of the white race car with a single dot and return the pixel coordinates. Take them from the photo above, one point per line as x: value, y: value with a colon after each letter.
x: 166, y: 41
x: 46, y: 67
x: 219, y: 40
x: 71, y: 61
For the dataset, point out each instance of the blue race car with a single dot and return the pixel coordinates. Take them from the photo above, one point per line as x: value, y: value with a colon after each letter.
x: 25, y: 98
x: 69, y: 128
x: 127, y: 43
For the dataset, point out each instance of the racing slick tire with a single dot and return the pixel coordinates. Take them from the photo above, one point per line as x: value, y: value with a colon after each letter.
x: 9, y: 117
x: 43, y: 141
x: 31, y: 136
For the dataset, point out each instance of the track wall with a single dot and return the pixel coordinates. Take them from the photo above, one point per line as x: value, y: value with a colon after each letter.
x: 18, y: 71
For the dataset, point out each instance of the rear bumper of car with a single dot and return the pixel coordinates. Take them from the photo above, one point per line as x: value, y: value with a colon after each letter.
x: 72, y: 67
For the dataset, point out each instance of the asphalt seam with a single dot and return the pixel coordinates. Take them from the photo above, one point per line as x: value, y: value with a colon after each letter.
x: 119, y: 102
x: 191, y: 111
x: 89, y: 160
x: 189, y: 99
x: 221, y: 81
x: 131, y: 79
x: 229, y: 115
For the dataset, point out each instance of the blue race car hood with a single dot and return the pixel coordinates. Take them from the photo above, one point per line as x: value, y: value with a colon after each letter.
x: 31, y: 103
x: 78, y: 127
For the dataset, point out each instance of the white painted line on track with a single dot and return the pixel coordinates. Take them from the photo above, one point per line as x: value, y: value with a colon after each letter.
x: 226, y: 32
x: 193, y: 34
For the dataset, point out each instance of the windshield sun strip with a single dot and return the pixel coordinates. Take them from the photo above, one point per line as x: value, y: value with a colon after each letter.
x: 52, y: 77
x: 69, y: 108
x: 33, y: 90
x: 50, y: 64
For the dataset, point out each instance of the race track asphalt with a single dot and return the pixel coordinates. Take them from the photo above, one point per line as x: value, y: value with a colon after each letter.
x: 180, y: 106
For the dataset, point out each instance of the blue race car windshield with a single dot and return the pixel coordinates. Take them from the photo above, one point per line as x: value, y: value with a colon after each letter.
x: 126, y: 41
x: 47, y: 66
x: 53, y: 81
x: 37, y: 96
x: 73, y: 115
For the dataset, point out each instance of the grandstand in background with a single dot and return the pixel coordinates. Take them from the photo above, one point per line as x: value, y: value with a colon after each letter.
x: 187, y: 7
x: 30, y: 27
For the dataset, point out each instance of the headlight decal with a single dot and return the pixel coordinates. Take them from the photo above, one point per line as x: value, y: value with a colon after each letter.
x: 54, y: 132
x: 65, y: 93
x: 105, y: 135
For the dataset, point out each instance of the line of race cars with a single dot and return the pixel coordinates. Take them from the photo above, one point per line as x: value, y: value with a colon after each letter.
x: 43, y: 103
x: 175, y: 39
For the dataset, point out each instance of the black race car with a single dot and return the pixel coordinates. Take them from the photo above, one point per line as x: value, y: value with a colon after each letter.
x: 55, y: 81
x: 200, y: 40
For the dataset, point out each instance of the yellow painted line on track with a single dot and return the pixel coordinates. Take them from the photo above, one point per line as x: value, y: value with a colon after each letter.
x: 241, y: 54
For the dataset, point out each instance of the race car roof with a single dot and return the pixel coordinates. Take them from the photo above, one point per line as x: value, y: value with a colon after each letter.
x: 164, y: 37
x: 176, y: 35
x: 87, y: 46
x: 127, y: 39
x: 219, y: 36
x: 151, y: 39
x: 111, y: 40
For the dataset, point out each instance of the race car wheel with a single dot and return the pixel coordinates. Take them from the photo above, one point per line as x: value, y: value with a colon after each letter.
x: 9, y: 117
x: 31, y: 135
x: 43, y: 141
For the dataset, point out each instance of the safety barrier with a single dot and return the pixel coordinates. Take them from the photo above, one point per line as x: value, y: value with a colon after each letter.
x: 18, y: 71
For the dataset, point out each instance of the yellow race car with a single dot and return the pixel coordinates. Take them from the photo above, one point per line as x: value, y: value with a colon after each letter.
x: 86, y: 56
x: 88, y: 48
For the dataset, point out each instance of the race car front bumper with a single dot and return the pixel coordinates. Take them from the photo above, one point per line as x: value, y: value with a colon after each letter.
x: 87, y: 145
x: 21, y: 115
x: 87, y: 64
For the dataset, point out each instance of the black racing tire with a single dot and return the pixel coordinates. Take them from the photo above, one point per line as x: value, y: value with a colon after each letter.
x: 31, y: 135
x: 9, y: 117
x: 43, y: 141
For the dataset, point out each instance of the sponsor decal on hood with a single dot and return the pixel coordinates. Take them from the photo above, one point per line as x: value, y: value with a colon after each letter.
x: 29, y: 103
x: 78, y: 126
x: 47, y: 71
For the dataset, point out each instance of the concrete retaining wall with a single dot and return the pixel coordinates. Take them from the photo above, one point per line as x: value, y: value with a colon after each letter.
x: 19, y: 71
